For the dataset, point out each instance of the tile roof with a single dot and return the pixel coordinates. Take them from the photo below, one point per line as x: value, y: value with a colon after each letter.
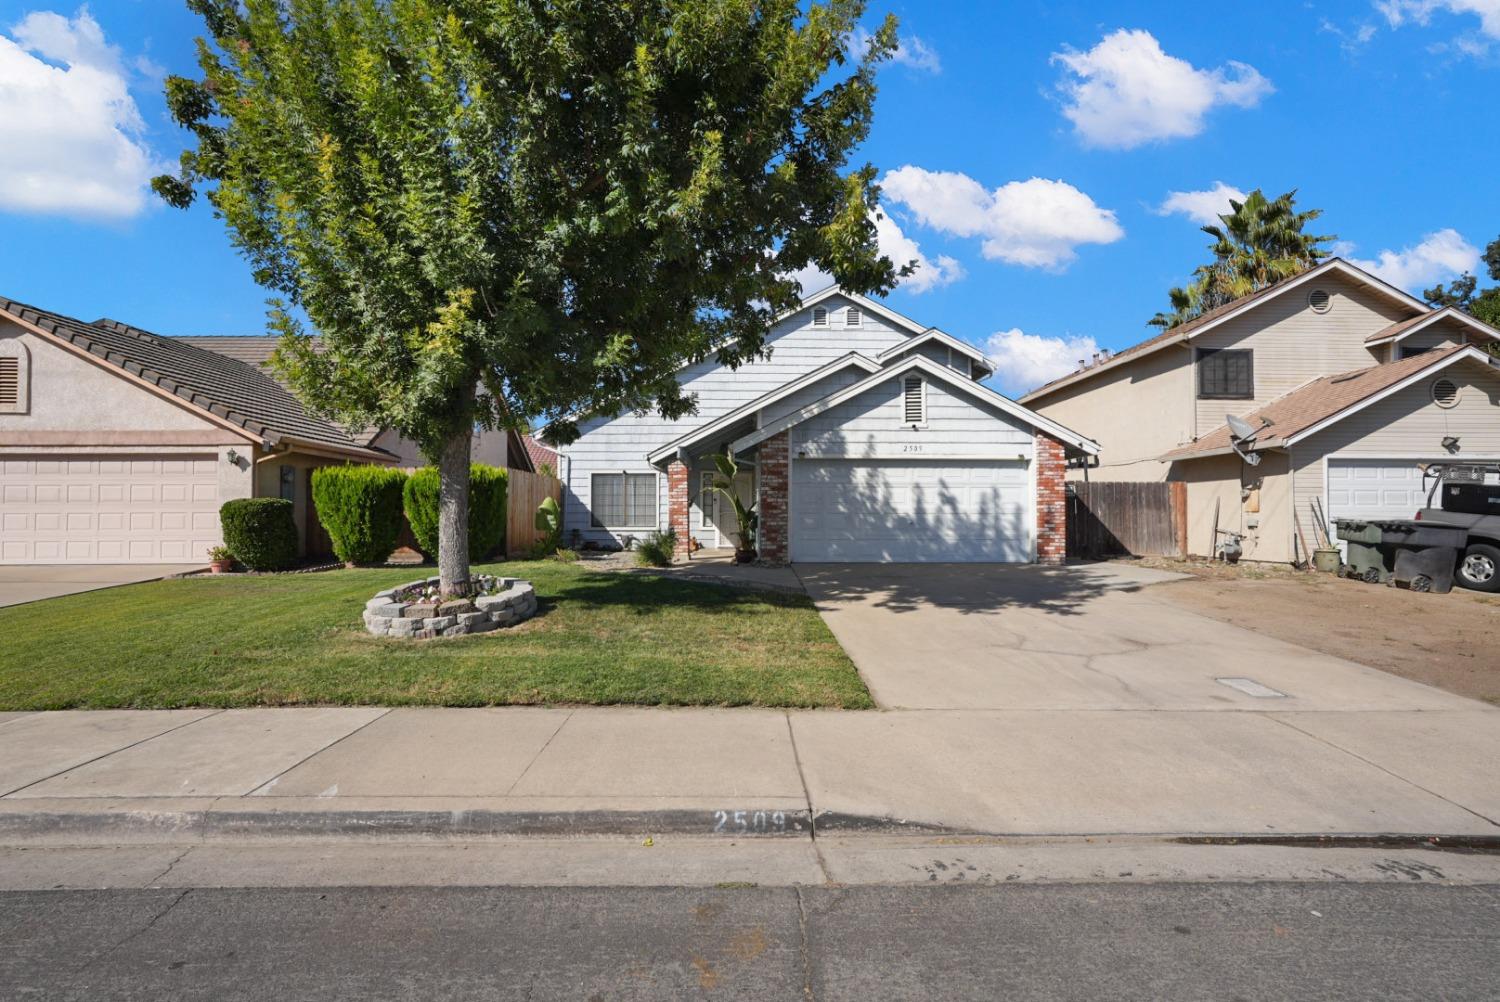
x: 252, y: 349
x: 539, y: 453
x: 1315, y: 402
x: 231, y: 390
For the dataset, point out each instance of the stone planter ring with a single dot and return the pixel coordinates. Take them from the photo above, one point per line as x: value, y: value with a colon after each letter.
x: 512, y: 601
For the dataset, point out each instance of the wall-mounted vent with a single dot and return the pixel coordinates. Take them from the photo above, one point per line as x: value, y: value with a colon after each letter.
x: 10, y: 381
x: 1319, y: 300
x: 820, y: 316
x: 915, y: 400
x: 1445, y: 393
x: 852, y: 317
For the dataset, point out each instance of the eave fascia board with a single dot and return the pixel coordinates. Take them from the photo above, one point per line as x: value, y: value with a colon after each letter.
x: 677, y: 445
x: 1446, y: 313
x: 943, y: 374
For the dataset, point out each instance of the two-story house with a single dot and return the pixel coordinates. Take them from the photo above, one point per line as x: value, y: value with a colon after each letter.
x: 1348, y: 383
x: 863, y: 437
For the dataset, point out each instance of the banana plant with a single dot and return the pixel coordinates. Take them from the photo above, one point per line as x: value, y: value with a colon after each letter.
x: 549, y: 522
x: 745, y: 515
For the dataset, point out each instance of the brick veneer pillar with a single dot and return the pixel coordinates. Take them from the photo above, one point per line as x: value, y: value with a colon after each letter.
x: 677, y: 508
x: 772, y: 460
x: 1051, y: 501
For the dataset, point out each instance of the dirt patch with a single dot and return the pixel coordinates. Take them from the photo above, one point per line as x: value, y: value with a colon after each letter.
x: 1450, y: 641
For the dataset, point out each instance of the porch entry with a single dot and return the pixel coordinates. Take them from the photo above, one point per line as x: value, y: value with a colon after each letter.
x: 716, y: 527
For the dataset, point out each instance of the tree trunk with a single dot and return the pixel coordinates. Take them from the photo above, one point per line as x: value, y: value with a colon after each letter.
x: 453, y: 515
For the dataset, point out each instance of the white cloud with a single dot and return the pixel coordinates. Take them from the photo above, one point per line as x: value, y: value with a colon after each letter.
x: 73, y: 135
x: 1126, y: 91
x: 930, y: 273
x: 911, y: 51
x: 1202, y: 207
x: 1025, y: 361
x: 1439, y: 257
x: 1398, y: 12
x: 1036, y: 223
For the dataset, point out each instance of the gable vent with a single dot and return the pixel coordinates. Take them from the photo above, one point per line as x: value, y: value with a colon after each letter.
x: 915, y: 397
x: 1319, y: 300
x: 820, y: 316
x: 1445, y: 393
x: 10, y: 381
x: 852, y: 317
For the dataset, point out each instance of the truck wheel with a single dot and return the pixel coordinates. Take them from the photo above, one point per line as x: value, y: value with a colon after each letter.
x: 1479, y: 567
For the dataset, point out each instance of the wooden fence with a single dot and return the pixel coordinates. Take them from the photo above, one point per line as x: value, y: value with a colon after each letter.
x: 1140, y: 519
x: 524, y: 492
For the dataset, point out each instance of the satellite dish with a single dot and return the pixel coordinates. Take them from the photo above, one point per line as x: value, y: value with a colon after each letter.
x: 1239, y: 428
x: 1241, y: 438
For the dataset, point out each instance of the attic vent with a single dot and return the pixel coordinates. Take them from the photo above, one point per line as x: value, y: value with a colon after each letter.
x: 852, y: 317
x: 1319, y: 300
x: 1445, y: 393
x: 820, y: 316
x: 915, y: 400
x: 10, y: 381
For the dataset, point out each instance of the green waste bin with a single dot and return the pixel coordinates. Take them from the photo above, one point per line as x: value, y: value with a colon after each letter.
x: 1364, y: 558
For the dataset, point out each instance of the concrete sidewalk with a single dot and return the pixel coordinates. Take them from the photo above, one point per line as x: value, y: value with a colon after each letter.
x: 120, y: 776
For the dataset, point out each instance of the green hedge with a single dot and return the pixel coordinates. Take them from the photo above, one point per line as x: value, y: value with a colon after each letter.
x: 487, y: 497
x: 360, y: 507
x: 260, y: 532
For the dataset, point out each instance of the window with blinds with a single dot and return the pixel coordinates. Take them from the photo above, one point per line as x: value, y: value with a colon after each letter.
x: 10, y: 381
x: 915, y: 401
x: 623, y: 500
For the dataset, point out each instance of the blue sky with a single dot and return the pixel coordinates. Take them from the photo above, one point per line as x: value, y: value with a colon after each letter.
x: 1031, y: 151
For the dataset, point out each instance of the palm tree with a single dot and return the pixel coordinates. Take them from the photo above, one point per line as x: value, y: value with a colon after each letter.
x: 1259, y: 242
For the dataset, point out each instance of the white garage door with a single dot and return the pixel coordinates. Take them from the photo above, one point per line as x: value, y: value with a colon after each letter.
x: 861, y: 511
x: 1374, y: 488
x: 96, y: 509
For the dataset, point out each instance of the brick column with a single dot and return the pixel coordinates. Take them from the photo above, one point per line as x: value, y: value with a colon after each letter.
x: 677, y: 508
x: 773, y: 467
x: 1051, y: 501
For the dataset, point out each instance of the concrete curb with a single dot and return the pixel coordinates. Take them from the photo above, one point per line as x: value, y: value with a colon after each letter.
x: 201, y: 825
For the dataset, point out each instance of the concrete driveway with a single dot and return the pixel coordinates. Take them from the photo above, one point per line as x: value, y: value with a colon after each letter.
x: 1088, y: 637
x: 32, y: 583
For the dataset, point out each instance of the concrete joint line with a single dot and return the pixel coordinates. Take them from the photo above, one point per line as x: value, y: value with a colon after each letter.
x: 1394, y: 775
x: 812, y: 815
x: 314, y: 754
x: 112, y: 751
x: 540, y: 751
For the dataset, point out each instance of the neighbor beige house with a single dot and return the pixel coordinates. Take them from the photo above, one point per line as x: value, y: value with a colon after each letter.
x: 1350, y: 383
x: 119, y: 446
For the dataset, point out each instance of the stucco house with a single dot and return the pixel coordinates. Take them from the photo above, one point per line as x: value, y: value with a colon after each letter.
x: 1349, y: 383
x: 864, y: 437
x: 119, y: 446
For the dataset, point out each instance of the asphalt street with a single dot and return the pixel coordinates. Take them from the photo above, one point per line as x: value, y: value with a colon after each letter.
x: 1228, y: 941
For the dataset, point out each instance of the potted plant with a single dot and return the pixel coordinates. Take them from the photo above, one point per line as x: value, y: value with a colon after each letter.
x: 220, y: 560
x: 745, y: 515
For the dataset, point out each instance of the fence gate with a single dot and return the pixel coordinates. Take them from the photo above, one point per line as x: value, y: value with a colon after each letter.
x: 1140, y: 519
x: 526, y: 492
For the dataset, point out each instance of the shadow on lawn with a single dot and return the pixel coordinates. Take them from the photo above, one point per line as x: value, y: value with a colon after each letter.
x: 642, y: 594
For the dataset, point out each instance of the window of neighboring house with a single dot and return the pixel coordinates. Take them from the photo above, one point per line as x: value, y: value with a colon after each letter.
x: 1225, y: 374
x: 289, y: 483
x: 623, y: 500
x: 1409, y: 350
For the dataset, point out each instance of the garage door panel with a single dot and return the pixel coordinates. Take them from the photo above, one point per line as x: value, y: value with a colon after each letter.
x: 94, y: 509
x: 907, y: 511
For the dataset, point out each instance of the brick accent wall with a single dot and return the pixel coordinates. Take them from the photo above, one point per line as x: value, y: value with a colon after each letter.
x: 677, y: 507
x: 1051, y: 501
x: 774, y: 517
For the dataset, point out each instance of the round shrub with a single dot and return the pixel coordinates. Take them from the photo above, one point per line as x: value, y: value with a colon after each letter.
x: 260, y: 532
x: 487, y: 497
x: 360, y: 507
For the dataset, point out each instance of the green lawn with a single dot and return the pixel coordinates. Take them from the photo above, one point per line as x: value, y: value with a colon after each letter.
x: 297, y: 639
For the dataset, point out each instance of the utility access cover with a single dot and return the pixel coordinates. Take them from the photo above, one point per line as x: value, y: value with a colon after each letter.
x: 1250, y: 687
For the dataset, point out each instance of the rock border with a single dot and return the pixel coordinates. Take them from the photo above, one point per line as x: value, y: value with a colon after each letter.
x: 386, y: 617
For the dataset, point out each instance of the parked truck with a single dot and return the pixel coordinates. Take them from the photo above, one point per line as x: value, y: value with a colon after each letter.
x: 1468, y: 494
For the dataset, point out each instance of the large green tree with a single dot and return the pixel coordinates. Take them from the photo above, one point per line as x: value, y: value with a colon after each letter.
x: 1259, y: 242
x: 1464, y: 292
x: 496, y: 211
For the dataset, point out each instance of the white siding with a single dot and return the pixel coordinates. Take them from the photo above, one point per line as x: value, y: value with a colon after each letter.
x: 871, y: 425
x: 623, y: 442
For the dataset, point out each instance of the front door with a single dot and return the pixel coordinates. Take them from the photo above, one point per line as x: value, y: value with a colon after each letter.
x: 721, y: 528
